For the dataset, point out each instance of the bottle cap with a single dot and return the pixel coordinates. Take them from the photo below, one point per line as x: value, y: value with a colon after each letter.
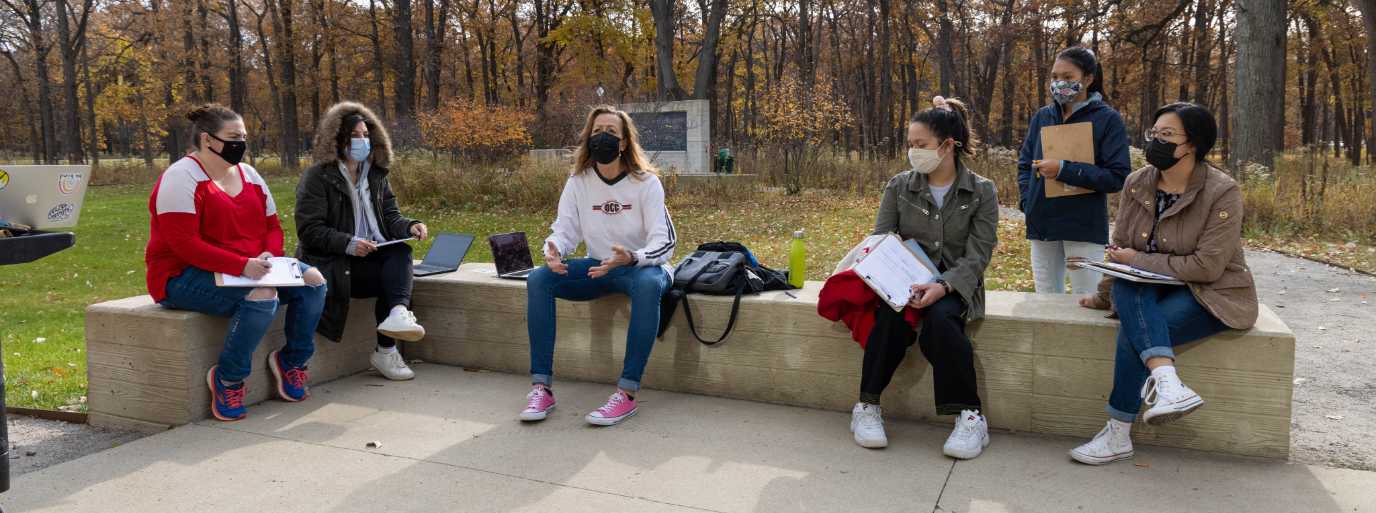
x: 798, y: 234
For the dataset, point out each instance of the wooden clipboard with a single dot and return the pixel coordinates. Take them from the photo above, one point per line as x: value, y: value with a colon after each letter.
x: 1071, y: 143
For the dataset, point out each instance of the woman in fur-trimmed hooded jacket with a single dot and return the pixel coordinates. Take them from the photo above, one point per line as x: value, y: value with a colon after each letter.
x: 344, y: 209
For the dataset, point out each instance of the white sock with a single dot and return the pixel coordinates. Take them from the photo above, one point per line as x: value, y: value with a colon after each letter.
x: 1163, y: 371
x: 397, y: 309
x: 386, y: 350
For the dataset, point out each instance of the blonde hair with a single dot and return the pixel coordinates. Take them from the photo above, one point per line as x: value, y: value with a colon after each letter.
x: 634, y: 158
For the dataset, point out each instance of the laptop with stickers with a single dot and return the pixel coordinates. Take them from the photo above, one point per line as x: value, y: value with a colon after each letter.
x: 43, y: 197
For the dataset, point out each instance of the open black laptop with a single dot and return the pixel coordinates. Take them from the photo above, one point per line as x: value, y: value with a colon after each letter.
x: 511, y: 253
x: 445, y: 254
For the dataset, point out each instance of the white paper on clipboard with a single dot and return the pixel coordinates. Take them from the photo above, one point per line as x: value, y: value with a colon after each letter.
x: 285, y: 272
x: 891, y: 269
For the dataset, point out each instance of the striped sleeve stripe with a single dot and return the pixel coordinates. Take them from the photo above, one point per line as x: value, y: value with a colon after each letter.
x: 668, y: 246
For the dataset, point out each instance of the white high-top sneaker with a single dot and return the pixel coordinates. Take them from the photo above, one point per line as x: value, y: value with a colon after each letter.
x: 867, y: 422
x: 969, y: 438
x: 1168, y: 398
x: 391, y: 364
x: 401, y: 325
x: 1113, y: 443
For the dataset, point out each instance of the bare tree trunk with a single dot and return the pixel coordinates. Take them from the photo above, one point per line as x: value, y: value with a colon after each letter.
x: 1260, y: 82
x: 35, y: 143
x: 69, y: 46
x: 379, y: 75
x: 1202, y: 42
x: 1368, y: 8
x: 706, y: 78
x: 238, y: 90
x: 404, y: 64
x: 284, y: 23
x: 946, y: 49
x: 663, y: 14
x: 1308, y: 80
x: 90, y: 109
x: 434, y: 49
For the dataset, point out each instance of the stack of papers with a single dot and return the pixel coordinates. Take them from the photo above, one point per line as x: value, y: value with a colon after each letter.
x: 1126, y: 272
x: 891, y: 267
x: 285, y: 272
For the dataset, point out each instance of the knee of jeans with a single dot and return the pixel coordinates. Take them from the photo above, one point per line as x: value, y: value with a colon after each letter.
x: 1123, y: 291
x: 542, y: 278
x: 262, y: 294
x: 648, y: 284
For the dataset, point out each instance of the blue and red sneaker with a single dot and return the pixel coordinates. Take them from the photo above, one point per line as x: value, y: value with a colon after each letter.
x: 226, y: 402
x: 291, y: 382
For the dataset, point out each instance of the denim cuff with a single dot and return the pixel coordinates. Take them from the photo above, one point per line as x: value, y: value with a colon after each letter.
x: 1120, y: 414
x: 1153, y: 352
x: 541, y: 379
x: 628, y: 385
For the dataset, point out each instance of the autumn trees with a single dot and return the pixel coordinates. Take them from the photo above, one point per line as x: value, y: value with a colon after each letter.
x: 110, y: 77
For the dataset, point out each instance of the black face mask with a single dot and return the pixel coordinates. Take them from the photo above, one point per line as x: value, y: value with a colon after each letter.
x: 232, y: 152
x: 604, y: 147
x: 1161, y: 154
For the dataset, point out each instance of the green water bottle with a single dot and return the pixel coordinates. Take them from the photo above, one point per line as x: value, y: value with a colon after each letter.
x: 797, y: 261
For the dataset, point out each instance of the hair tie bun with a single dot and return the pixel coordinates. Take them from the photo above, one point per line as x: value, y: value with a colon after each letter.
x: 940, y: 103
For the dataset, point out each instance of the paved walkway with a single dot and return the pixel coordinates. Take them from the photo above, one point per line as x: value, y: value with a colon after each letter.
x: 450, y: 442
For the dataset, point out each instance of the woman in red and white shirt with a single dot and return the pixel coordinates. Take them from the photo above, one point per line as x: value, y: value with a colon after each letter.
x: 212, y: 214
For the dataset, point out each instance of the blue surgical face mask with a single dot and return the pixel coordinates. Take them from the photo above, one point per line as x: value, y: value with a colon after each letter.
x: 359, y: 148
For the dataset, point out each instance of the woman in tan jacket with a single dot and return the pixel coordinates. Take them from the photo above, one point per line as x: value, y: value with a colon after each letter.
x: 1183, y: 218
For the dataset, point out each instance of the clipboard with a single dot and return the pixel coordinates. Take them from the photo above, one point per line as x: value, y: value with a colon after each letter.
x: 285, y: 272
x: 891, y: 268
x: 1072, y: 143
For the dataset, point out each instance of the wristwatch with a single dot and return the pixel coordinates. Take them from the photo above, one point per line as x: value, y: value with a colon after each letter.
x: 945, y: 285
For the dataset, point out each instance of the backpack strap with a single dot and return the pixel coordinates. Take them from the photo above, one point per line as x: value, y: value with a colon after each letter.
x: 730, y: 324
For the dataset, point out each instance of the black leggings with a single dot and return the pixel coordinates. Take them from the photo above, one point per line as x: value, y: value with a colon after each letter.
x: 943, y: 342
x: 386, y: 275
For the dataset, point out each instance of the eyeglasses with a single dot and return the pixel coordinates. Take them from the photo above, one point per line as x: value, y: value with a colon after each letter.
x: 1165, y: 134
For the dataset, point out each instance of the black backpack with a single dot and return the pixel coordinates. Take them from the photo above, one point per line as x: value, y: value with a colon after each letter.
x: 722, y: 269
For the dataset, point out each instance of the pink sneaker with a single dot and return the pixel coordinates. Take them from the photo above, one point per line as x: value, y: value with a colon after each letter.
x: 539, y: 402
x: 619, y: 407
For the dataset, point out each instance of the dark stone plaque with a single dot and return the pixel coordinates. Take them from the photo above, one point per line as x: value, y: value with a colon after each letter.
x: 662, y: 131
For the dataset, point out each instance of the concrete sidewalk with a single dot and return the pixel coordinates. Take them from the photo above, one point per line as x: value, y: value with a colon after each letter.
x: 450, y: 442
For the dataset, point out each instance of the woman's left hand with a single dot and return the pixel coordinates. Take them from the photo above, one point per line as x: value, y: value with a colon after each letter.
x: 1122, y: 255
x: 620, y: 256
x: 420, y: 231
x: 926, y: 295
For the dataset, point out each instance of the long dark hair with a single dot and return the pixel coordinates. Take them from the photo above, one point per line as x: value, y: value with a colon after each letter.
x: 346, y: 132
x: 1084, y: 59
x: 950, y: 122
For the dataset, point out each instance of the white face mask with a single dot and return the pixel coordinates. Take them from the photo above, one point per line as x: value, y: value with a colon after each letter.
x: 924, y: 161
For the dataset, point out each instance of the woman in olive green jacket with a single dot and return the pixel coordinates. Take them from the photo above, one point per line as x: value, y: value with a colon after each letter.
x: 953, y: 214
x: 1182, y: 218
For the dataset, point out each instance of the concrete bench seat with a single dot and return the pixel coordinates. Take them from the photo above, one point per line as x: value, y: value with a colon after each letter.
x: 1044, y: 364
x: 147, y: 364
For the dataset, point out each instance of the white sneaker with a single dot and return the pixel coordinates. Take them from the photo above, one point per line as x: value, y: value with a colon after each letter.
x: 401, y: 325
x: 391, y: 365
x: 867, y: 422
x: 1168, y: 398
x: 1113, y: 443
x: 969, y: 438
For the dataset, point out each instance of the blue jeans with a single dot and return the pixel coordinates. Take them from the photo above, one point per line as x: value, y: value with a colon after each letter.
x: 1154, y: 319
x: 645, y: 286
x: 194, y: 289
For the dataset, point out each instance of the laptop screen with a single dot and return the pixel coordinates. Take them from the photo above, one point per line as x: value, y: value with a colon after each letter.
x: 448, y: 250
x: 511, y: 252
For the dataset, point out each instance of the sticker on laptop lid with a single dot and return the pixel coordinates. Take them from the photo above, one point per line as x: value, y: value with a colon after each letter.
x: 62, y: 212
x: 4, y: 179
x: 67, y: 183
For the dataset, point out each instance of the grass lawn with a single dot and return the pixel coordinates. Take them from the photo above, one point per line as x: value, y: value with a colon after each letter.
x: 43, y: 303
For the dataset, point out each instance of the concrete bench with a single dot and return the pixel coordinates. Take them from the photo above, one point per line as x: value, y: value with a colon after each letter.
x: 1044, y: 364
x: 147, y: 364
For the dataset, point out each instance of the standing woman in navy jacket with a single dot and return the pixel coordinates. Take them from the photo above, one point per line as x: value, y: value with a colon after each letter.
x: 1072, y: 226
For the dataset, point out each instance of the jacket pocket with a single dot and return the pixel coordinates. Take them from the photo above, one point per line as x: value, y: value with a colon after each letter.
x: 1234, y: 276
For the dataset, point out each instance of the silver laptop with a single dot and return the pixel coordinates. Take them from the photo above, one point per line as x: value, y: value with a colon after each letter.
x: 43, y: 197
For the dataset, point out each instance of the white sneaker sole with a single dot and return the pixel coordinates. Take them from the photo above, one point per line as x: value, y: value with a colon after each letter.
x: 609, y: 421
x: 966, y: 455
x: 393, y: 377
x: 402, y: 334
x: 1088, y: 459
x: 871, y: 444
x: 535, y: 416
x: 1159, y: 415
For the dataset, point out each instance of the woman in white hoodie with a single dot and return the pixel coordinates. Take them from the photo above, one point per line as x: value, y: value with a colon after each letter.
x: 614, y: 203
